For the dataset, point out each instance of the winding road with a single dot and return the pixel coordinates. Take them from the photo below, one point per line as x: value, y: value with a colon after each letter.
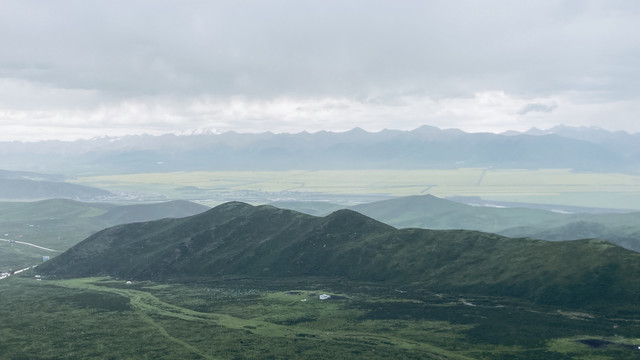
x: 30, y: 244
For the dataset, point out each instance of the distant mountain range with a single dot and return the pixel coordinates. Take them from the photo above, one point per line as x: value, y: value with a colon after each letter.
x: 239, y: 240
x: 618, y: 141
x: 582, y: 149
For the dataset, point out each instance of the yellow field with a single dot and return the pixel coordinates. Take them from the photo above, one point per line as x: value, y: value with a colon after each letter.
x: 551, y: 186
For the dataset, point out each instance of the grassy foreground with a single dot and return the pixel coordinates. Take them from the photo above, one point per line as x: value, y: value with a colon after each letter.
x: 105, y: 318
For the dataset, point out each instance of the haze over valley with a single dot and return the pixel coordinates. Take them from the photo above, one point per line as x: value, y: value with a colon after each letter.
x: 551, y: 237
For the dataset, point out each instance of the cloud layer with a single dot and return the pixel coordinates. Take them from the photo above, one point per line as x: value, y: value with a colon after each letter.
x: 80, y: 68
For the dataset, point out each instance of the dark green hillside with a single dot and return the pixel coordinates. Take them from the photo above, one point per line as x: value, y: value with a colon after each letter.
x: 234, y: 238
x: 241, y: 240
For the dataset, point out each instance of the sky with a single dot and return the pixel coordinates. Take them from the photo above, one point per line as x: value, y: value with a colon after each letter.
x: 80, y: 69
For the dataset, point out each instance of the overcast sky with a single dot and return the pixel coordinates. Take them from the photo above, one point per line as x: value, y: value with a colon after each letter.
x: 71, y: 69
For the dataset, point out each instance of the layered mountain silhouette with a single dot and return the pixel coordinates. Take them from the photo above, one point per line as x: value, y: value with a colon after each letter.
x: 26, y: 189
x: 147, y: 212
x: 240, y: 240
x: 430, y: 212
x: 22, y: 185
x: 582, y: 149
x: 62, y: 223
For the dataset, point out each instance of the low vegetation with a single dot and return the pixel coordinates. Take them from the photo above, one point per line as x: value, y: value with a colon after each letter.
x: 105, y: 318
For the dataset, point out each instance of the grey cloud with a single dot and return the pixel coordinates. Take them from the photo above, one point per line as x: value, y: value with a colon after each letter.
x: 544, y: 108
x: 329, y: 48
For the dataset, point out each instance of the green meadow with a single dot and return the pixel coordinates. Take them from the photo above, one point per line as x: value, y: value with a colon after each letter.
x: 548, y: 186
x: 104, y: 318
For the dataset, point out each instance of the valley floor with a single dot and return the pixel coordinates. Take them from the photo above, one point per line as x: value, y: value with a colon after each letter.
x: 242, y: 318
x: 350, y: 187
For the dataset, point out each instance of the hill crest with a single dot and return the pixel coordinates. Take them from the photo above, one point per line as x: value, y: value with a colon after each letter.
x: 237, y: 239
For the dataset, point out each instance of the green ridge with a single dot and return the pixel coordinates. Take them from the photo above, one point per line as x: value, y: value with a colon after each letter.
x: 236, y: 239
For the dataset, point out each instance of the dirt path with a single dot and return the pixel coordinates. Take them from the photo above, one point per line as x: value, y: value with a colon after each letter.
x: 30, y: 244
x: 147, y: 305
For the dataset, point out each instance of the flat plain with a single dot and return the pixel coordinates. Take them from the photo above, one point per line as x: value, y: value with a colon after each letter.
x: 542, y: 186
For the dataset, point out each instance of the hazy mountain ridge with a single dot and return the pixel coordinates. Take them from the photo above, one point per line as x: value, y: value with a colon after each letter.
x: 61, y: 223
x: 514, y: 220
x: 424, y: 147
x: 62, y: 211
x: 22, y: 185
x: 237, y: 239
x: 618, y: 141
x: 148, y: 212
x: 430, y: 212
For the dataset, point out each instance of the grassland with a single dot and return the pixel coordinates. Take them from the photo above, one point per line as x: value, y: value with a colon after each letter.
x: 105, y: 318
x: 549, y: 186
